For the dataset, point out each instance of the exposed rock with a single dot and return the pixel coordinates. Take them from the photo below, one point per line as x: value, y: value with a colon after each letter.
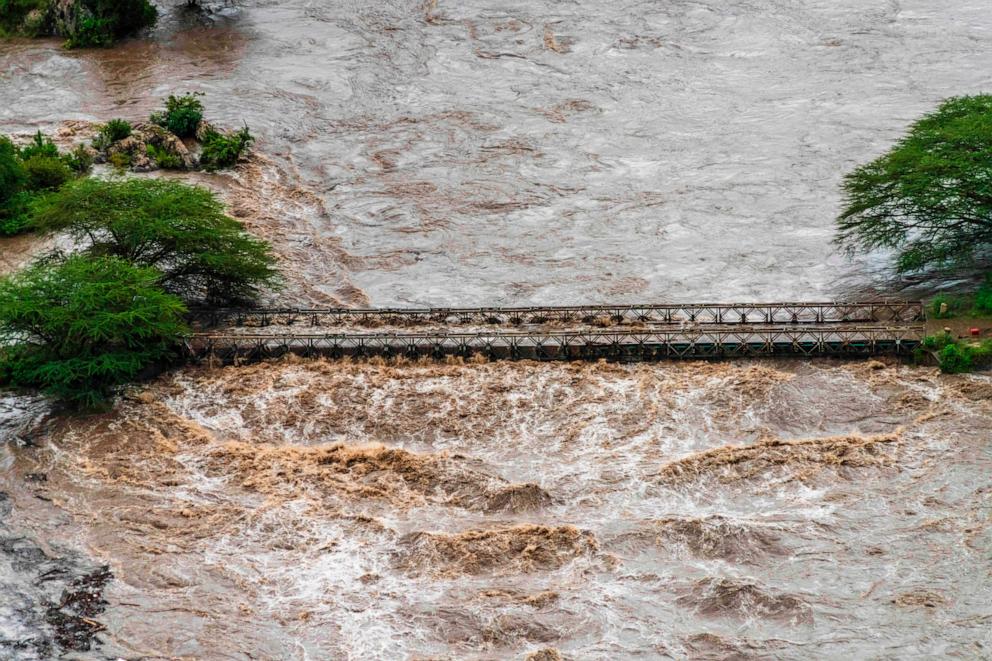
x: 135, y: 146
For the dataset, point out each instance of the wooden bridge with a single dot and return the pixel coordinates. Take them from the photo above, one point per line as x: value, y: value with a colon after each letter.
x: 626, y: 333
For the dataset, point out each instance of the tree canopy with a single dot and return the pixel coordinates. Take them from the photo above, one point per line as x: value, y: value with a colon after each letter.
x: 930, y: 197
x: 182, y: 231
x: 79, y: 328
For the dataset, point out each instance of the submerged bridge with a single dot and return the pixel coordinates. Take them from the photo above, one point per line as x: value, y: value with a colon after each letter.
x: 615, y: 332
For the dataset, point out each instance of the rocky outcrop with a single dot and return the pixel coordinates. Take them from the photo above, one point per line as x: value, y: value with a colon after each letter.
x: 150, y: 147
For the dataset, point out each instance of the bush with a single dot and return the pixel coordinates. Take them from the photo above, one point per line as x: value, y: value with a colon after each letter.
x: 80, y: 328
x: 79, y: 160
x: 116, y: 129
x: 983, y: 297
x: 40, y: 145
x: 955, y: 359
x: 120, y: 160
x: 164, y: 158
x: 15, y: 214
x: 101, y: 22
x: 182, y: 115
x: 202, y: 254
x: 20, y: 16
x: 46, y: 173
x: 956, y: 305
x: 223, y: 151
x: 12, y: 175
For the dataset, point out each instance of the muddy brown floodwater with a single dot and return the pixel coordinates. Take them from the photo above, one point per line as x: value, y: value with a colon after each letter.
x: 523, y: 152
x: 317, y: 510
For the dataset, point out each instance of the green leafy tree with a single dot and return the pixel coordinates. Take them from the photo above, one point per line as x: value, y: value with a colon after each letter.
x: 181, y: 230
x: 80, y: 328
x: 930, y: 197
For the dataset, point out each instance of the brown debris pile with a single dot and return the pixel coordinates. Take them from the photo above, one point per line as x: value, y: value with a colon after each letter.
x: 532, y: 599
x: 916, y: 598
x: 727, y: 597
x: 546, y: 654
x: 708, y: 537
x: 374, y: 471
x: 803, y: 458
x: 523, y: 548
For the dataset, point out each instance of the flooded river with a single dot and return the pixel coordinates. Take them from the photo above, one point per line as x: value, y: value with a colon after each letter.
x: 442, y: 153
x: 318, y: 510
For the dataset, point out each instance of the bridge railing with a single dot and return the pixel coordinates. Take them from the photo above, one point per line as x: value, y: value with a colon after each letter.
x: 629, y: 344
x: 590, y: 315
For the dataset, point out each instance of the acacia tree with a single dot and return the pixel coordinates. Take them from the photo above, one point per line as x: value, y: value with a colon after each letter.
x: 79, y: 328
x: 930, y: 196
x: 202, y: 254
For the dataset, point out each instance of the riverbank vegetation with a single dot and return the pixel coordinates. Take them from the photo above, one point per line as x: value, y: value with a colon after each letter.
x: 929, y: 201
x: 199, y: 252
x: 929, y: 198
x: 956, y: 356
x: 30, y: 173
x: 82, y: 23
x: 79, y: 326
x: 949, y: 306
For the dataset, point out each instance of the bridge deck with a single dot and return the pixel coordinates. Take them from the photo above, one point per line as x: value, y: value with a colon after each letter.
x: 700, y: 341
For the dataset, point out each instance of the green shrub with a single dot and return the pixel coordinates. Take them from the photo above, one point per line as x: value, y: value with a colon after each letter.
x: 120, y: 160
x: 180, y: 230
x: 91, y: 32
x: 105, y: 21
x: 40, y: 145
x: 46, y: 173
x: 15, y: 16
x: 36, y: 23
x: 79, y: 160
x: 12, y: 175
x: 164, y: 158
x: 79, y: 329
x: 955, y: 359
x: 182, y: 115
x: 15, y: 214
x: 116, y: 129
x: 983, y: 297
x: 223, y: 151
x: 956, y: 306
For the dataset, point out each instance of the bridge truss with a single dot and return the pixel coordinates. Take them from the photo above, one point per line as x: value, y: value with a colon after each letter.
x: 704, y: 341
x: 877, y: 312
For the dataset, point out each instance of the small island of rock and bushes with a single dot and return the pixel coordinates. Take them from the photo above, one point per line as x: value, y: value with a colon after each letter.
x: 77, y: 325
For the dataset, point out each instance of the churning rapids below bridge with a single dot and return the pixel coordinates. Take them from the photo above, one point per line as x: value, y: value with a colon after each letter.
x: 513, y: 153
x: 316, y: 510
